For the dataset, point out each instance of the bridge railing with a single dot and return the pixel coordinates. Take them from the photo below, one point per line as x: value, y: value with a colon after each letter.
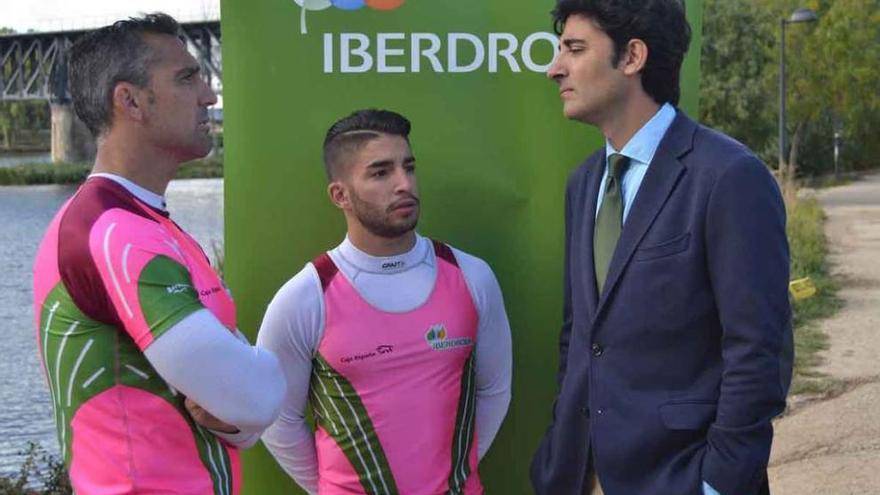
x: 34, y: 65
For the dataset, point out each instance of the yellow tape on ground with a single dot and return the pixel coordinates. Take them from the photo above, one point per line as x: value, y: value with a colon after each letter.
x: 802, y: 288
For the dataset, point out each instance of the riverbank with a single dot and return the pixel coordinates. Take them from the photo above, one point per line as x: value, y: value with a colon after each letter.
x: 74, y: 173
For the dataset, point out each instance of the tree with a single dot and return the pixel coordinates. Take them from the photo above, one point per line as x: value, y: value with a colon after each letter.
x: 734, y: 89
x: 833, y: 78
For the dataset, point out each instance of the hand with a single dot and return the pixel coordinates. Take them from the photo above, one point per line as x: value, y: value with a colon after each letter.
x: 206, y: 419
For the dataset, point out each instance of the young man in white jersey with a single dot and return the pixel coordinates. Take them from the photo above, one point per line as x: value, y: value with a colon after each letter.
x: 400, y: 345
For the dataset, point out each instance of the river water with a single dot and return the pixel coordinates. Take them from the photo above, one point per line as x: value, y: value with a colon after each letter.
x: 25, y: 212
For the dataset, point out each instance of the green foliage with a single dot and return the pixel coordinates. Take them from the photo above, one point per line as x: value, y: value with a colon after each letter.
x: 40, y: 473
x: 45, y: 173
x: 809, y: 250
x: 806, y: 238
x: 734, y: 88
x: 23, y: 117
x: 202, y: 169
x: 832, y: 78
x: 75, y: 173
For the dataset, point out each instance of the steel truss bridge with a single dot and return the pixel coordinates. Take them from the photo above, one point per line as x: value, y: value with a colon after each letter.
x: 33, y: 66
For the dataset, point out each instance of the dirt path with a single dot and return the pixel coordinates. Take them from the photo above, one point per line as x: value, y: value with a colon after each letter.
x: 832, y: 447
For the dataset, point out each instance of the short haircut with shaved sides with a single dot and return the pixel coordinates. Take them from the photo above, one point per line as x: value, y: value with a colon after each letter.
x: 109, y: 55
x: 349, y: 134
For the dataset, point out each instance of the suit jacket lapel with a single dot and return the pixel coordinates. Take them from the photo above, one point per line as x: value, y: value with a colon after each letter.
x: 590, y: 197
x: 661, y: 178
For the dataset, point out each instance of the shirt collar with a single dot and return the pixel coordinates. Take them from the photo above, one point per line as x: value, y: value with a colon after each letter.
x: 383, y: 264
x: 644, y: 143
x: 152, y: 199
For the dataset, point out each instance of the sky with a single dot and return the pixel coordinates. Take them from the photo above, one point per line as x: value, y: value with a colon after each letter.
x: 61, y: 15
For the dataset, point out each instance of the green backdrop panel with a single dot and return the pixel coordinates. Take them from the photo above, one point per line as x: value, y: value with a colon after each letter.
x: 492, y: 145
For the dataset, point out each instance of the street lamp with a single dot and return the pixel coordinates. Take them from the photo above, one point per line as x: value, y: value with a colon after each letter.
x: 801, y: 14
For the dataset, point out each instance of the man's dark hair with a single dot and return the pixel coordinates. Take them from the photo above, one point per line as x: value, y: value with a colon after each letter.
x: 661, y: 24
x: 349, y: 134
x: 109, y: 55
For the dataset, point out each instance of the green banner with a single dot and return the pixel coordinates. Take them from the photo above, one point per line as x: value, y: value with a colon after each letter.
x: 493, y: 148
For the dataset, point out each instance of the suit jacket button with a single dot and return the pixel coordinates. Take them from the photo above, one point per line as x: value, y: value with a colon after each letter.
x: 585, y: 411
x: 597, y: 349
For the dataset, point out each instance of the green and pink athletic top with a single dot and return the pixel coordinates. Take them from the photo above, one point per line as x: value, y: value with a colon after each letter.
x: 405, y: 361
x: 113, y: 275
x: 395, y: 407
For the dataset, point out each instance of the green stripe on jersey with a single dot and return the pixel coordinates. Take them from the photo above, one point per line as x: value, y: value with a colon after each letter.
x: 166, y: 294
x: 339, y: 410
x: 84, y: 358
x: 462, y: 441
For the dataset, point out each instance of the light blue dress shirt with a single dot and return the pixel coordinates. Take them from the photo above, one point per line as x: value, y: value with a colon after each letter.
x: 640, y: 150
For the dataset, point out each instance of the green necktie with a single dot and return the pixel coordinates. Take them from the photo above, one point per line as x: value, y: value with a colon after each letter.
x: 609, y: 221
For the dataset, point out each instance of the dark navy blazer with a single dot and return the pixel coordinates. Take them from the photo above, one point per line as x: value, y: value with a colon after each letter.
x: 672, y: 375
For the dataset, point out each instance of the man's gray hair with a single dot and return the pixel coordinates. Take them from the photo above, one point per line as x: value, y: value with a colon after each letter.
x: 106, y: 56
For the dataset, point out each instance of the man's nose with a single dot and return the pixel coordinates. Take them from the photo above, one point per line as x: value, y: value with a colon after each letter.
x: 556, y: 70
x: 209, y: 97
x: 404, y: 181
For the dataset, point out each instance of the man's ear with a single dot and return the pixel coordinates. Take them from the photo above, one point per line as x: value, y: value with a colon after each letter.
x: 129, y: 100
x: 634, y: 57
x: 339, y: 195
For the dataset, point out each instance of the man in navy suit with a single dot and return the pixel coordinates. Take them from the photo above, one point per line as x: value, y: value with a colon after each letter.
x: 676, y: 344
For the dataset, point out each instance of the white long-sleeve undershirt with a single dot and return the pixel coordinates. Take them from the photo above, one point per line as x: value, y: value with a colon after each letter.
x: 240, y: 384
x: 294, y: 324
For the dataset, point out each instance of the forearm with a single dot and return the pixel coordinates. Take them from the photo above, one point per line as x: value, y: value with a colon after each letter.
x: 238, y: 384
x: 292, y: 444
x: 493, y: 350
x: 491, y: 409
x: 291, y: 329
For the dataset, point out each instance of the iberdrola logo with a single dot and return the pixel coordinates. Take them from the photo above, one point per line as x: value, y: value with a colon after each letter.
x: 436, y: 338
x: 344, y: 5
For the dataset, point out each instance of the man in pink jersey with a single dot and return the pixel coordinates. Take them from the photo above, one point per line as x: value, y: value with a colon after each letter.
x: 399, y: 344
x: 133, y: 325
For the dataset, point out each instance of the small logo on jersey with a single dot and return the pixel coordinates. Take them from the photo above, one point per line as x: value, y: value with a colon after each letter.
x: 382, y: 349
x: 392, y: 265
x: 436, y: 338
x: 178, y: 288
x: 211, y: 291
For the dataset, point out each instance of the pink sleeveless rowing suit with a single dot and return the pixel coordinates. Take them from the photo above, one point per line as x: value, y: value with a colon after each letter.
x: 112, y: 275
x: 394, y: 393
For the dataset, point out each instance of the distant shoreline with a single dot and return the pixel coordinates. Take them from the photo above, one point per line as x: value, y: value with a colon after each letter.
x: 74, y: 173
x: 24, y: 148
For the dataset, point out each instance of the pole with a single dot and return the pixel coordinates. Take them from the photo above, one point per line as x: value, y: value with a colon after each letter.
x: 837, y: 139
x: 781, y: 170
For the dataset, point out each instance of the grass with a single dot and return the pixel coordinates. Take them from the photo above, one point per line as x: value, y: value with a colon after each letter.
x: 74, y: 173
x: 44, y: 173
x: 40, y: 473
x: 809, y: 252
